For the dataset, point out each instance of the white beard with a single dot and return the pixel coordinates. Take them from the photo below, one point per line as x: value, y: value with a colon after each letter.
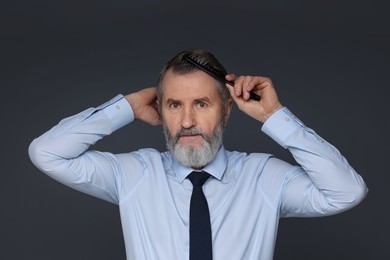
x: 191, y: 156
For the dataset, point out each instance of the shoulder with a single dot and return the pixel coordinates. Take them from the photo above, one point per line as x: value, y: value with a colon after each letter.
x: 264, y: 164
x: 136, y: 164
x: 243, y: 158
x: 144, y: 154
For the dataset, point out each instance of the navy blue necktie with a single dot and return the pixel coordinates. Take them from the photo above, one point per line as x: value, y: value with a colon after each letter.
x: 200, y: 228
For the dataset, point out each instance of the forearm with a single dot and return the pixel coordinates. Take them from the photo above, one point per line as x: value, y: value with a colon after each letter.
x: 61, y: 151
x: 332, y: 183
x: 73, y: 135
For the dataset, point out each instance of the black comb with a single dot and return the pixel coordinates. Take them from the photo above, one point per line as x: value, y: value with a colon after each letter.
x: 217, y: 74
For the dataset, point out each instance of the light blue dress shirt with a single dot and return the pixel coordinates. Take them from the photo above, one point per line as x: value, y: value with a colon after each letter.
x: 247, y: 194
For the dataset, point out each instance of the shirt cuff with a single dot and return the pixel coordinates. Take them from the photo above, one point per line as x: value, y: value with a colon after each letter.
x: 281, y: 125
x: 119, y: 111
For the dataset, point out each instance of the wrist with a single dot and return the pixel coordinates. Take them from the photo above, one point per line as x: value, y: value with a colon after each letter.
x: 272, y: 111
x: 132, y: 100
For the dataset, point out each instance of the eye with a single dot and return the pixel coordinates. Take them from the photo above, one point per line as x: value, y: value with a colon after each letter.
x: 174, y: 105
x: 202, y: 104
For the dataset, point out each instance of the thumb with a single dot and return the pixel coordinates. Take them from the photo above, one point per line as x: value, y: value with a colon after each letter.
x: 232, y: 94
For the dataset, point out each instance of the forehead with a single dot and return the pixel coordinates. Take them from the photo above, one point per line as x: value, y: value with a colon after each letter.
x: 195, y: 85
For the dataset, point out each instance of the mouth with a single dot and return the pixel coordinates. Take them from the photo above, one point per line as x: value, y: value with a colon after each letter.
x: 190, y: 139
x: 189, y: 135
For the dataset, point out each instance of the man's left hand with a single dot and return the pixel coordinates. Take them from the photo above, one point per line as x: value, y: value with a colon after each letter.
x: 262, y: 86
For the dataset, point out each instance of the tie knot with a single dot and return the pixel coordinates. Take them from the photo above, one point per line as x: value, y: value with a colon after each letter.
x: 198, y: 178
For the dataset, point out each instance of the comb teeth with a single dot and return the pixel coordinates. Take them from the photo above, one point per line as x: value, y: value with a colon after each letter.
x: 208, y: 69
x: 216, y: 74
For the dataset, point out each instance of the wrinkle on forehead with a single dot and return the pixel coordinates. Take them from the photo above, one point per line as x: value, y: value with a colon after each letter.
x: 193, y: 85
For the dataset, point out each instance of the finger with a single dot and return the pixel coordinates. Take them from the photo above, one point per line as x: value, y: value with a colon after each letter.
x: 238, y: 100
x: 236, y: 80
x: 264, y: 82
x: 230, y: 77
x: 238, y: 83
x: 232, y: 92
x: 248, y: 85
x: 256, y: 84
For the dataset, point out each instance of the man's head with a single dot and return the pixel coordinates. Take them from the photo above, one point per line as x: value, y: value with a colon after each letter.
x: 194, y: 108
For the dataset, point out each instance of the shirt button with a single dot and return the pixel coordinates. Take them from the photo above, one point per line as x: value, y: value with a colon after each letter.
x: 117, y: 107
x: 287, y: 119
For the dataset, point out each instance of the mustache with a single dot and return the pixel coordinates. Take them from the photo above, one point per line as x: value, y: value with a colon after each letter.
x: 190, y: 131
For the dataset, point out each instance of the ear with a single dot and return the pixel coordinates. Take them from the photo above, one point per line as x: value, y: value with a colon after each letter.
x: 158, y: 108
x: 228, y: 111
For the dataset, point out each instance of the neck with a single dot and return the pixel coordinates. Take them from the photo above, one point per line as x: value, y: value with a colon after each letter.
x: 198, y: 168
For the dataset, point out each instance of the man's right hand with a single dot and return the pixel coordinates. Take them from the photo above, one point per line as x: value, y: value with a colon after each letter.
x: 144, y: 105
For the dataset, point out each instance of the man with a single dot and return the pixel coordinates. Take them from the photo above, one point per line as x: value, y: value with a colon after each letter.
x: 246, y: 193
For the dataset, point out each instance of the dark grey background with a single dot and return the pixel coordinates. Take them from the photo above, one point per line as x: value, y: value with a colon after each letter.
x: 329, y: 61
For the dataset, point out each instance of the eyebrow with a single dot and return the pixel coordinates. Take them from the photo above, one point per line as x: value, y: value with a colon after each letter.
x: 172, y: 100
x: 203, y: 99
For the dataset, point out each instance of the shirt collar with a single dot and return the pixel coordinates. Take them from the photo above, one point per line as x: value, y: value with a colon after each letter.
x: 215, y: 168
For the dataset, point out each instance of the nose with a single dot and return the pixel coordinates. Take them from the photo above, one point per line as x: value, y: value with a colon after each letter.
x: 188, y: 118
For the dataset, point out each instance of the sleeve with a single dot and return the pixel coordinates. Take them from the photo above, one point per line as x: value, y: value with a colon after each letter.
x: 325, y: 183
x: 62, y: 152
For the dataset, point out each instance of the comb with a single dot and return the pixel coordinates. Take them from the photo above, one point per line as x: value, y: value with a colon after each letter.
x: 216, y: 74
